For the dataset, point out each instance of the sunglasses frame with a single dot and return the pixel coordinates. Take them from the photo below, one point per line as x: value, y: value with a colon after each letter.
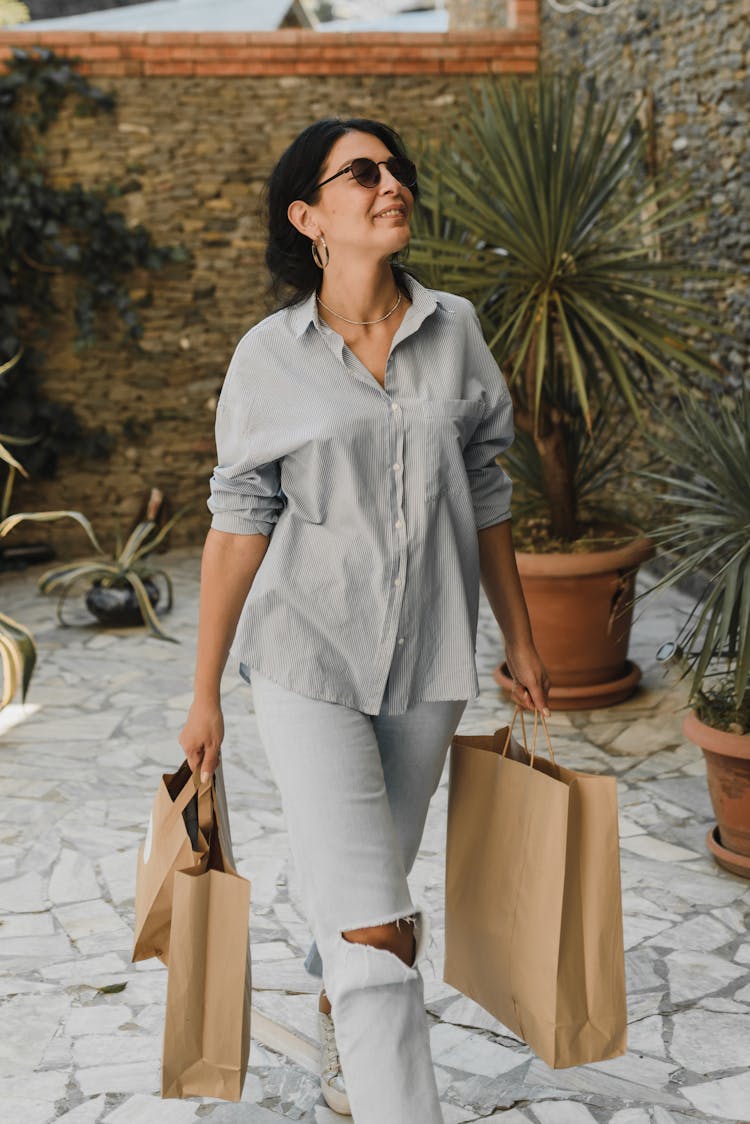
x: 377, y: 164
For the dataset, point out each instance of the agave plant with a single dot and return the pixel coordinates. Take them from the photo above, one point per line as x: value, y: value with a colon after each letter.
x: 127, y: 565
x: 538, y: 210
x: 706, y: 483
x: 17, y: 658
x: 14, y: 466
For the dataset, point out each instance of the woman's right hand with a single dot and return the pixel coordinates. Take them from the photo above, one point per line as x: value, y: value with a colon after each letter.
x: 201, y: 737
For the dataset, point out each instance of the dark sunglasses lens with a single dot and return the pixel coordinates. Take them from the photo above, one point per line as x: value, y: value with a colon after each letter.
x: 405, y: 171
x: 366, y: 172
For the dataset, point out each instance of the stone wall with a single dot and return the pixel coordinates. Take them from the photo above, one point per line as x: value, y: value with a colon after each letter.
x: 692, y: 59
x: 200, y: 120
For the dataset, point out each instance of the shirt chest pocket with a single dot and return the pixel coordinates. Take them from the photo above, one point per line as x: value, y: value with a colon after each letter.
x: 442, y: 429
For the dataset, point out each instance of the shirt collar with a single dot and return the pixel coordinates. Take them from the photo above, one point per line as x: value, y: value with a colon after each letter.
x: 424, y: 301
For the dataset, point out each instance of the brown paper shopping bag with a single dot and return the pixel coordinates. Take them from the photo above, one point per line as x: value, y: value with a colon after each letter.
x: 207, y: 1022
x: 533, y: 901
x: 175, y: 840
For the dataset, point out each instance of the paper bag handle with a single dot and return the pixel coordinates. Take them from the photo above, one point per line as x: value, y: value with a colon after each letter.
x: 537, y: 715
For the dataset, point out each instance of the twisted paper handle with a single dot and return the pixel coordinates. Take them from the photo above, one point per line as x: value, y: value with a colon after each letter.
x: 537, y: 715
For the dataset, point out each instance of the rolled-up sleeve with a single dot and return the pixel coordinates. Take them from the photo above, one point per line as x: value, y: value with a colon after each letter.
x: 245, y: 486
x: 491, y: 487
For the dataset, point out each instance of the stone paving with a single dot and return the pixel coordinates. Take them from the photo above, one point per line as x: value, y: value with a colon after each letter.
x: 80, y: 764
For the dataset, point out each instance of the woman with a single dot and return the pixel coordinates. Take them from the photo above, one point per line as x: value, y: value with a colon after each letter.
x: 355, y: 505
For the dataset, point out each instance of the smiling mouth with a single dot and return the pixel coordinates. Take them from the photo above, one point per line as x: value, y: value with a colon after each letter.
x: 392, y: 213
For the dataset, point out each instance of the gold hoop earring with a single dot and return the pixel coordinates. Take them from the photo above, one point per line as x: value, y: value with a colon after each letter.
x: 316, y: 254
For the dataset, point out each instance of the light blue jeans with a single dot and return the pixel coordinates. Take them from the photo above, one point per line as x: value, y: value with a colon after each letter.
x: 355, y: 790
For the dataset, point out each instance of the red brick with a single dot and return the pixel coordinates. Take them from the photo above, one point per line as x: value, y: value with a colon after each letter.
x: 93, y: 51
x: 121, y: 38
x: 171, y: 38
x: 146, y: 51
x: 64, y: 39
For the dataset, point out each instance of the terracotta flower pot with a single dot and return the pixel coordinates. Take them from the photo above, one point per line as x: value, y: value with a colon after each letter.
x: 727, y: 759
x: 580, y: 611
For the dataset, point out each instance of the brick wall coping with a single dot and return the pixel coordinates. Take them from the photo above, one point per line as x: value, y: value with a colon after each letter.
x: 152, y: 53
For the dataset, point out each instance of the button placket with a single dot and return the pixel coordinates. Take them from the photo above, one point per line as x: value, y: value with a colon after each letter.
x: 398, y: 471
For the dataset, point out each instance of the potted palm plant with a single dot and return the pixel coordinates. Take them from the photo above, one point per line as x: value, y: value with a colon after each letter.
x: 705, y: 482
x: 120, y: 585
x: 538, y: 210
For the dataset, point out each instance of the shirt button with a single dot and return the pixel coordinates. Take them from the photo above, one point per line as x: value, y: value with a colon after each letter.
x: 394, y: 405
x: 397, y: 581
x: 397, y: 468
x: 400, y: 639
x: 399, y: 524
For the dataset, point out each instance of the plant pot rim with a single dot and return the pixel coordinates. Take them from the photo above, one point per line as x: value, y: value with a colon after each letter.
x: 732, y: 861
x: 712, y: 740
x: 563, y: 565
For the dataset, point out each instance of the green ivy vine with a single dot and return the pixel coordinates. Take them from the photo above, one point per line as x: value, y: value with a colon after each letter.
x: 46, y: 231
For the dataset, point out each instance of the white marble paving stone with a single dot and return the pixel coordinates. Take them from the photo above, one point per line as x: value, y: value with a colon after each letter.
x: 27, y: 1027
x: 99, y: 1018
x: 728, y: 1097
x: 56, y: 946
x: 704, y: 934
x: 694, y: 974
x: 84, y: 919
x: 97, y: 728
x: 561, y: 1112
x: 451, y: 1046
x: 657, y: 849
x: 119, y: 871
x: 56, y: 1054
x: 72, y: 878
x: 49, y: 1085
x: 26, y: 894
x: 272, y: 950
x: 26, y: 925
x: 465, y: 1012
x: 637, y: 929
x: 86, y: 969
x: 130, y: 1077
x: 30, y: 1110
x: 631, y: 1116
x: 141, y: 1109
x: 644, y: 1080
x: 742, y: 955
x: 87, y: 1112
x: 710, y: 1042
x: 454, y: 1114
x: 647, y: 1036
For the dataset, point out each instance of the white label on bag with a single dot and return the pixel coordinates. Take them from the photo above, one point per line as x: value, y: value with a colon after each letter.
x: 149, y: 838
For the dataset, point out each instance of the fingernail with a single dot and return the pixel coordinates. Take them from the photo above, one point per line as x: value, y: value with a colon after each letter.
x: 546, y: 712
x: 205, y: 777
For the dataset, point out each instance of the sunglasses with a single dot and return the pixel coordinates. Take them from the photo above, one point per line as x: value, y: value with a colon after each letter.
x: 367, y: 172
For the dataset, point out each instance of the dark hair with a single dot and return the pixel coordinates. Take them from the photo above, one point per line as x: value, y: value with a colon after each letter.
x: 294, y: 274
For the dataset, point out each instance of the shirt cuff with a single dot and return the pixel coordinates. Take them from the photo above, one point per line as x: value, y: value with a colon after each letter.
x: 236, y: 524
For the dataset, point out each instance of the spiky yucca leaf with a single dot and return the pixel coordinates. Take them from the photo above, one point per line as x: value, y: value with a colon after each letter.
x: 542, y: 220
x: 17, y: 658
x: 707, y: 485
x: 7, y: 525
x: 537, y: 209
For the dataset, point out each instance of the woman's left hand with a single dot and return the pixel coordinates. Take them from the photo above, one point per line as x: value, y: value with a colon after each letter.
x: 530, y: 678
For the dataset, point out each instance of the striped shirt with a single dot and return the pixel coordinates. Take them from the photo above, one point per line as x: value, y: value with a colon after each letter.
x: 372, y: 496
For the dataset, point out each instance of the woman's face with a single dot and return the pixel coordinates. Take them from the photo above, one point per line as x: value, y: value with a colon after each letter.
x: 356, y: 219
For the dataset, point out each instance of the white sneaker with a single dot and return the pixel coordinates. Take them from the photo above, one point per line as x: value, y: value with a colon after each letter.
x: 331, y: 1079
